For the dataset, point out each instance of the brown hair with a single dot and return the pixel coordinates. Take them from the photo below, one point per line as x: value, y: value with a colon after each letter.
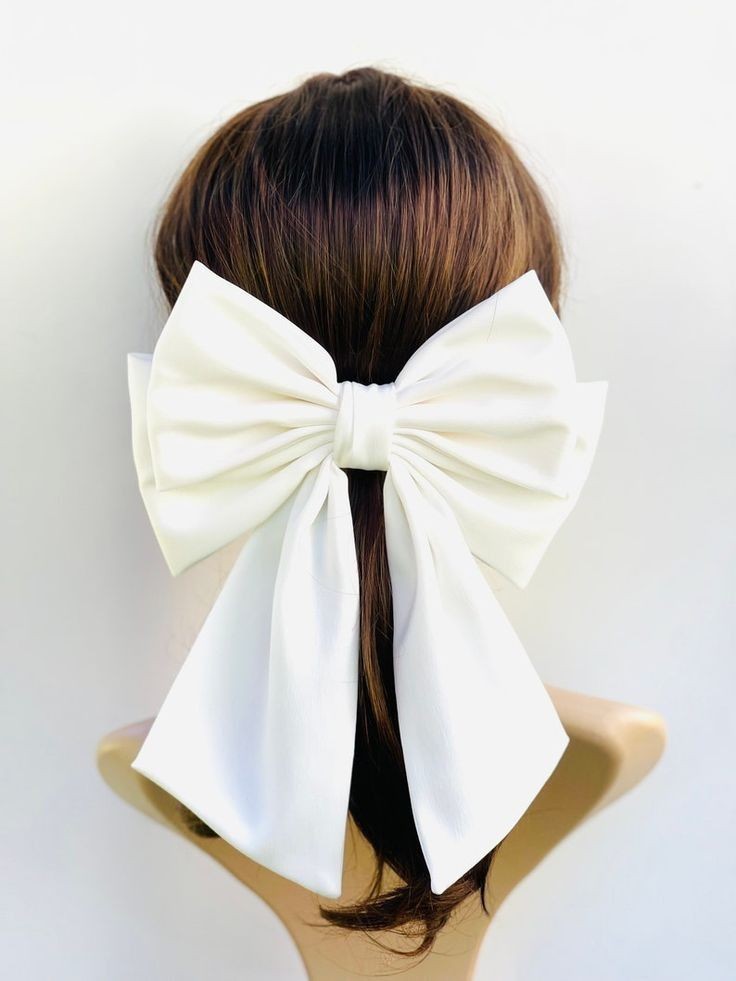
x: 370, y: 211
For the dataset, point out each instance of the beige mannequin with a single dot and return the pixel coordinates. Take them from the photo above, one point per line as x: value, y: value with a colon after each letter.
x: 612, y: 748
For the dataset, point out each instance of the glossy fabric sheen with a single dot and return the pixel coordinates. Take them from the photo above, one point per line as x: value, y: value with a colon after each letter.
x: 240, y: 425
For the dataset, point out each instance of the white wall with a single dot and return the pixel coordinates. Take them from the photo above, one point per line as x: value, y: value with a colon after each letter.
x: 626, y: 111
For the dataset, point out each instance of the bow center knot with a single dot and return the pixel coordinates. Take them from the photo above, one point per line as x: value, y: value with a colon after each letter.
x: 364, y: 425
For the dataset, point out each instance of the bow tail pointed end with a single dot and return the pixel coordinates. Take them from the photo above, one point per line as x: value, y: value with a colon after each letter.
x: 479, y: 731
x: 256, y: 734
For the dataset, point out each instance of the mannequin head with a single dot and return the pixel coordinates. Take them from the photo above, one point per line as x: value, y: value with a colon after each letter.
x: 370, y: 211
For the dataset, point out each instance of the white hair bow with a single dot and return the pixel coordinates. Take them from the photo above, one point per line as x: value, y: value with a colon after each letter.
x: 240, y: 425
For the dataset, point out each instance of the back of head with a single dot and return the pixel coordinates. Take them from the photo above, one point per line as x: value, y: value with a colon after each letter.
x: 370, y: 211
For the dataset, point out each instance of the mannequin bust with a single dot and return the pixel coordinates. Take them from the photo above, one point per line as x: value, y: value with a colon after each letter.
x: 612, y: 748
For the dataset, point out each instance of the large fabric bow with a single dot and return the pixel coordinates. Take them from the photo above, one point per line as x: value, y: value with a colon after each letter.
x: 240, y: 425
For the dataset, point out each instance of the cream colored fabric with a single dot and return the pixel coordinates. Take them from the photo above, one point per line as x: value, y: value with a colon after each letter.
x: 240, y: 425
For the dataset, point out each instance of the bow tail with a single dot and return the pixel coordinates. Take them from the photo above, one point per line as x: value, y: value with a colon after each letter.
x: 479, y: 732
x: 256, y: 735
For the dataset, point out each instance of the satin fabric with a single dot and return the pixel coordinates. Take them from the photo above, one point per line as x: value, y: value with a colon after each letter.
x: 240, y: 425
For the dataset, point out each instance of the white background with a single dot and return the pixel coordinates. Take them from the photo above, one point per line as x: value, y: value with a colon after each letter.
x: 625, y: 113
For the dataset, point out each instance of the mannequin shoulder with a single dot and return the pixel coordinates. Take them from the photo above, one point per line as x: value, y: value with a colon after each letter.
x: 613, y: 746
x: 624, y: 741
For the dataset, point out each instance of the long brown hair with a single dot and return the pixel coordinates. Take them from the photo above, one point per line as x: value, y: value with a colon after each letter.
x: 369, y: 210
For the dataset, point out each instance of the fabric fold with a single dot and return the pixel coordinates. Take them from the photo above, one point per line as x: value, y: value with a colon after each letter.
x: 479, y: 731
x: 256, y: 734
